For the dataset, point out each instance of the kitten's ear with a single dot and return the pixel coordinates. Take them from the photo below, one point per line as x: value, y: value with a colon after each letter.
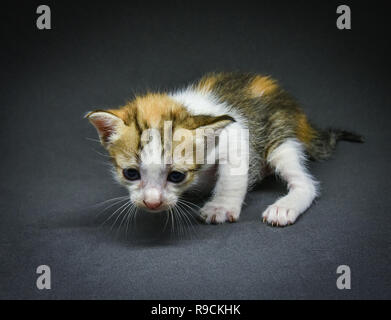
x: 107, y: 124
x: 210, y: 122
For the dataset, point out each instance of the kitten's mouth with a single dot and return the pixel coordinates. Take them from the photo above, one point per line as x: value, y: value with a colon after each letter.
x: 154, y: 210
x: 154, y: 207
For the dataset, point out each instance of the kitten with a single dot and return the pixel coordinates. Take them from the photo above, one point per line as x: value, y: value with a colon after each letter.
x: 252, y: 114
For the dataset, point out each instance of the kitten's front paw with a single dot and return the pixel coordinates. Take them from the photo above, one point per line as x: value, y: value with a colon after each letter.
x: 218, y: 213
x: 279, y: 216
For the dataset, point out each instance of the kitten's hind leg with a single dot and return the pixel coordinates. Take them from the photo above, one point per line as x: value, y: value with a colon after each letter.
x: 288, y: 161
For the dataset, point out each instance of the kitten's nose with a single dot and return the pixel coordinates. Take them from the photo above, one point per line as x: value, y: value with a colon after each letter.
x: 152, y: 198
x: 152, y: 205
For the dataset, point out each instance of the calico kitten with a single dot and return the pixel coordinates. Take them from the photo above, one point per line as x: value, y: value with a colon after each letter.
x: 269, y: 131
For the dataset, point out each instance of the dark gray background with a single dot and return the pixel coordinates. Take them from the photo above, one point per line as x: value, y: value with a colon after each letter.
x: 97, y: 54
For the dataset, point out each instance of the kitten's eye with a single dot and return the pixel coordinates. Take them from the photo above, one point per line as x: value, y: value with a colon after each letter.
x: 176, y: 176
x: 131, y: 174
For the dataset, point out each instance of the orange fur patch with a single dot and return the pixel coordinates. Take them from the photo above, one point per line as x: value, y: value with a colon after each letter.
x: 262, y: 85
x: 153, y: 109
x: 305, y: 132
x: 207, y: 83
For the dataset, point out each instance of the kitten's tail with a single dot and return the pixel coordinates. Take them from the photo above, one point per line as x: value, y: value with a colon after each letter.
x: 321, y: 147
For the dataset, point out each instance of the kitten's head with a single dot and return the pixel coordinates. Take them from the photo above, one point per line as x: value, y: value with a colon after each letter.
x: 156, y: 146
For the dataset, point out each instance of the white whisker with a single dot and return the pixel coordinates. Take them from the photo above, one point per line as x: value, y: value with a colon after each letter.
x: 120, y: 213
x: 114, y: 213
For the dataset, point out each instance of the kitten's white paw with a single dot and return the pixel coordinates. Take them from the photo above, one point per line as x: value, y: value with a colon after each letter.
x: 218, y: 213
x: 279, y: 216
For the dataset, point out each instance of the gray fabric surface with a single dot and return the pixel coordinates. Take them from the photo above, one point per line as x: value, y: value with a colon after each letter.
x: 97, y: 55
